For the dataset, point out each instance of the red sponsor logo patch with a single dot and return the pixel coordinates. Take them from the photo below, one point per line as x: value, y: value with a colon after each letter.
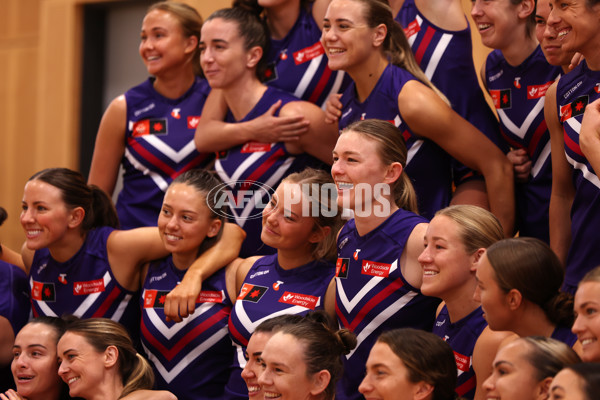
x: 308, y: 53
x: 341, y: 267
x: 374, y: 268
x: 209, y: 296
x: 412, y: 29
x: 88, y: 287
x: 192, y: 121
x: 255, y: 147
x: 463, y: 363
x: 538, y: 91
x: 298, y: 299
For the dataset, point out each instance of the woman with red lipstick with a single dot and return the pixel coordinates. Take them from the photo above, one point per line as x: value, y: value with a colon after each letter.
x: 233, y: 45
x: 378, y: 274
x: 455, y: 240
x: 517, y: 76
x: 574, y: 179
x: 150, y: 129
x: 299, y: 277
x: 362, y: 38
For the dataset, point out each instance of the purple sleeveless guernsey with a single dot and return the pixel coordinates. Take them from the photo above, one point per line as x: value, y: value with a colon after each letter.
x: 371, y: 293
x: 462, y: 336
x: 575, y: 90
x: 428, y: 166
x: 83, y: 286
x: 446, y: 57
x: 159, y: 146
x: 262, y: 164
x: 14, y: 304
x: 190, y: 358
x: 298, y: 64
x: 518, y: 95
x: 269, y: 291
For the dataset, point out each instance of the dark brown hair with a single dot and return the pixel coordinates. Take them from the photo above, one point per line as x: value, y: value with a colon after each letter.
x: 251, y: 29
x: 323, y: 347
x: 427, y: 358
x: 98, y: 207
x: 531, y: 267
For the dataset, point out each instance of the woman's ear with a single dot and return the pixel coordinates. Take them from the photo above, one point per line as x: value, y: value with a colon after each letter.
x: 191, y: 44
x: 476, y: 257
x: 514, y: 298
x: 543, y: 389
x: 111, y: 356
x: 76, y: 217
x: 526, y: 8
x: 394, y: 170
x: 379, y: 35
x: 319, y: 234
x: 214, y: 227
x: 422, y: 390
x: 320, y: 382
x: 253, y: 56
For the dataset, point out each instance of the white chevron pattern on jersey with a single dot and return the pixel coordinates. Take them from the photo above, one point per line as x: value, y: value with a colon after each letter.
x: 587, y: 174
x: 169, y: 332
x: 273, y: 180
x: 167, y: 375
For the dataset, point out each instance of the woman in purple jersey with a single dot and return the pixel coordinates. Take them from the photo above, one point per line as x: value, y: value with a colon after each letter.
x: 303, y: 266
x: 190, y: 222
x: 362, y: 38
x: 232, y: 55
x: 571, y: 194
x: 70, y: 235
x: 232, y: 45
x: 409, y: 364
x: 518, y: 283
x: 455, y: 240
x: 170, y: 34
x: 524, y: 368
x: 296, y: 60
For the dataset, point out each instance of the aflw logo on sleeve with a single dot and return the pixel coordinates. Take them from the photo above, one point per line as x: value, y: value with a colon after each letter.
x: 252, y: 293
x: 574, y: 108
x: 501, y: 98
x: 43, y: 291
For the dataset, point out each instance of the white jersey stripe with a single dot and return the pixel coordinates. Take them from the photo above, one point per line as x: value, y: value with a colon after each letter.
x: 168, y: 376
x: 158, y: 180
